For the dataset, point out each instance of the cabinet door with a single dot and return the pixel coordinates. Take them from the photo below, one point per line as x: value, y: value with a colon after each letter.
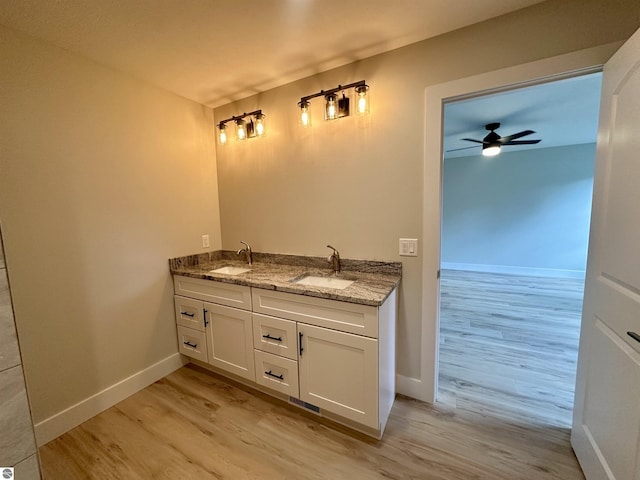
x: 230, y: 340
x: 338, y: 372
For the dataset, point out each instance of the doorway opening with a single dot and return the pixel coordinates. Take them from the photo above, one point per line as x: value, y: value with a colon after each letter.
x: 514, y: 242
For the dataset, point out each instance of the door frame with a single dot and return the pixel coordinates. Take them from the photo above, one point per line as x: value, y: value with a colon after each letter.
x: 559, y: 67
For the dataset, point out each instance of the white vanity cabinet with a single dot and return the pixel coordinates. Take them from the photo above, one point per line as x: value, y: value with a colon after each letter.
x: 345, y: 356
x: 214, y: 324
x: 334, y: 357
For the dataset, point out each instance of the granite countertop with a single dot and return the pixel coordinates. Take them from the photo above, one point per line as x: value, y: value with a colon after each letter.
x: 373, y: 280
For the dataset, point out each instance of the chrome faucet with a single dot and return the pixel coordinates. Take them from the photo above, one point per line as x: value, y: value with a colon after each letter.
x: 334, y: 259
x: 246, y: 251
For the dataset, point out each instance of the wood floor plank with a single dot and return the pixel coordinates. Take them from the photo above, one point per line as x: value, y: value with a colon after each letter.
x: 196, y: 425
x: 509, y: 344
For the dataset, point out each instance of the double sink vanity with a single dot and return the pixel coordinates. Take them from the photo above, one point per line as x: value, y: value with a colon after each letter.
x: 318, y: 335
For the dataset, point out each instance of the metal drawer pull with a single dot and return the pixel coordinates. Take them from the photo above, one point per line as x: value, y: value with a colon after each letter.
x: 189, y: 344
x: 279, y: 377
x: 634, y: 335
x: 204, y: 316
x: 277, y: 339
x: 188, y: 314
x: 300, y: 342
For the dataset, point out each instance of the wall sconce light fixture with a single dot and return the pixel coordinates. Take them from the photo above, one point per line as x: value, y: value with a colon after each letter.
x: 244, y: 129
x: 336, y: 107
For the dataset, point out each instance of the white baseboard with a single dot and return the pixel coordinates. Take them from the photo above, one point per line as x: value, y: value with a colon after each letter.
x: 514, y: 270
x: 410, y: 386
x: 82, y: 411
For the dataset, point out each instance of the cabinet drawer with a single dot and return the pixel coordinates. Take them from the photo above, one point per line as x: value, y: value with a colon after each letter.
x: 343, y: 316
x: 277, y: 373
x: 229, y: 294
x: 192, y: 343
x: 189, y: 312
x: 275, y: 335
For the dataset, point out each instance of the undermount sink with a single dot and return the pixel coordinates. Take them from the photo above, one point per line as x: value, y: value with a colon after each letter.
x: 325, y: 282
x: 230, y: 270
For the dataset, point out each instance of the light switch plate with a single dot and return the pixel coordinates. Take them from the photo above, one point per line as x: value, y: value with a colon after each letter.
x: 205, y: 241
x: 409, y: 247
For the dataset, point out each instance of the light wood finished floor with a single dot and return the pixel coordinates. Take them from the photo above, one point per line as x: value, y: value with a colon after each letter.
x: 196, y: 425
x: 509, y: 344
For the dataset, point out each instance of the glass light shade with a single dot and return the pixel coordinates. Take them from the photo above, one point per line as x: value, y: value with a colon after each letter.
x: 362, y: 96
x: 241, y: 129
x: 222, y: 134
x: 491, y: 150
x: 259, y: 124
x: 305, y: 115
x: 331, y: 108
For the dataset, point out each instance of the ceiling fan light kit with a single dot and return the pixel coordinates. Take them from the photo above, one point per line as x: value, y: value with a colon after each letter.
x: 492, y: 143
x: 490, y: 150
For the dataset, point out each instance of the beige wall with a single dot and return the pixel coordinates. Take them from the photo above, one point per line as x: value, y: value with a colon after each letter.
x: 102, y: 179
x: 359, y: 187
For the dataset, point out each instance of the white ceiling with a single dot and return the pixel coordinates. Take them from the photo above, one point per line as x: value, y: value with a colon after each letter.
x: 564, y: 112
x: 214, y: 51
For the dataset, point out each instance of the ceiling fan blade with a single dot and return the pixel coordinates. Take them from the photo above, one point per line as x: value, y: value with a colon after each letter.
x: 472, y: 140
x: 463, y: 148
x: 508, y: 138
x: 522, y: 142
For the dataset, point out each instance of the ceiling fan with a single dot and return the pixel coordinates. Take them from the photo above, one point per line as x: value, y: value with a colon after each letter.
x: 492, y: 143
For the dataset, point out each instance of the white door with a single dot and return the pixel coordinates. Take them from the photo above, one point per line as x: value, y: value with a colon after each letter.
x: 606, y: 422
x: 338, y: 372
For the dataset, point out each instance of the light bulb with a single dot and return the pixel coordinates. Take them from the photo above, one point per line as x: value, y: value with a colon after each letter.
x: 241, y: 131
x: 363, y: 103
x: 259, y: 124
x: 330, y: 110
x: 223, y: 134
x: 305, y: 117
